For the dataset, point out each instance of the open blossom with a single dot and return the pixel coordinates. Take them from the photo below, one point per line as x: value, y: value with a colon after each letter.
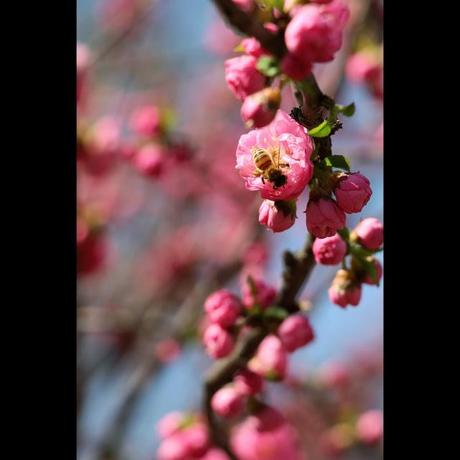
x: 217, y: 341
x: 315, y: 32
x: 260, y: 108
x: 257, y: 292
x: 270, y: 360
x: 277, y: 216
x: 369, y: 428
x: 330, y: 250
x: 295, y: 332
x: 149, y: 160
x: 352, y: 192
x: 288, y: 148
x: 146, y: 121
x: 266, y: 435
x: 370, y: 233
x: 248, y: 382
x: 227, y: 402
x: 324, y: 217
x: 222, y: 307
x: 242, y: 76
x: 345, y: 290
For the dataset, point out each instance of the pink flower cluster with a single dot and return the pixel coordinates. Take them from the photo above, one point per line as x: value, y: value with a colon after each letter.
x: 346, y: 286
x: 365, y: 68
x: 185, y: 437
x: 223, y: 309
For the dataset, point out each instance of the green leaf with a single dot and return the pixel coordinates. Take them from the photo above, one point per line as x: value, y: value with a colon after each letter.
x: 344, y: 233
x: 276, y: 313
x: 338, y: 161
x: 268, y: 66
x: 347, y: 110
x: 322, y: 130
x: 370, y: 269
x: 278, y: 4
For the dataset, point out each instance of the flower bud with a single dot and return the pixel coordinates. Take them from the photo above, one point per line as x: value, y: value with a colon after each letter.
x: 252, y: 47
x: 295, y: 68
x: 270, y: 360
x: 352, y: 192
x: 215, y: 454
x: 334, y: 375
x: 227, y: 402
x: 369, y: 232
x: 257, y: 292
x: 330, y: 250
x: 217, y: 341
x: 149, y: 160
x: 379, y: 272
x: 222, y: 308
x: 248, y: 382
x: 324, y: 217
x: 170, y: 424
x: 260, y: 108
x: 173, y: 448
x: 295, y: 332
x: 277, y: 215
x: 146, y: 121
x: 242, y: 76
x: 345, y: 290
x: 369, y: 428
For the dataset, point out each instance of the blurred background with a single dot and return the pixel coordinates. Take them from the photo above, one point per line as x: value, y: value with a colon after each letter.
x: 154, y: 240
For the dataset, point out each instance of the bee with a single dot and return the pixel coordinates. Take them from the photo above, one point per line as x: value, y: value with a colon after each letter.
x: 268, y: 166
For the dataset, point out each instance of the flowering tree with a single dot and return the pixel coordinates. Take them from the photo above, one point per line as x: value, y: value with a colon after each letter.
x: 286, y: 155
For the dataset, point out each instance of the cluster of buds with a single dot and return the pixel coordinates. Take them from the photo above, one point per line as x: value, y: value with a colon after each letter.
x: 185, y: 436
x: 361, y: 245
x: 155, y: 149
x: 365, y: 429
x: 227, y: 316
x: 313, y: 34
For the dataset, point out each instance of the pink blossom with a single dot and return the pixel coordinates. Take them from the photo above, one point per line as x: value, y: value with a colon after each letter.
x: 275, y: 216
x: 352, y: 192
x: 219, y: 38
x: 270, y: 360
x: 227, y: 402
x: 369, y: 428
x: 170, y: 424
x: 266, y: 436
x: 315, y: 32
x: 330, y: 250
x: 242, y: 76
x: 324, y: 217
x: 257, y: 292
x: 295, y: 332
x: 248, y: 382
x: 252, y: 47
x: 83, y: 63
x: 91, y: 254
x: 289, y: 147
x: 217, y: 341
x: 196, y: 438
x: 259, y: 109
x: 295, y: 68
x: 370, y: 233
x: 379, y: 272
x: 222, y: 307
x: 149, y: 160
x: 173, y: 448
x: 146, y: 121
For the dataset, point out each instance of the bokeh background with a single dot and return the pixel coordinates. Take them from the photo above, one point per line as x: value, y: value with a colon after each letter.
x: 165, y: 242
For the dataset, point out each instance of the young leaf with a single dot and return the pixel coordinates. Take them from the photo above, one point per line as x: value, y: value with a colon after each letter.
x: 347, y: 110
x: 268, y: 66
x: 337, y: 161
x: 322, y: 130
x: 276, y: 313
